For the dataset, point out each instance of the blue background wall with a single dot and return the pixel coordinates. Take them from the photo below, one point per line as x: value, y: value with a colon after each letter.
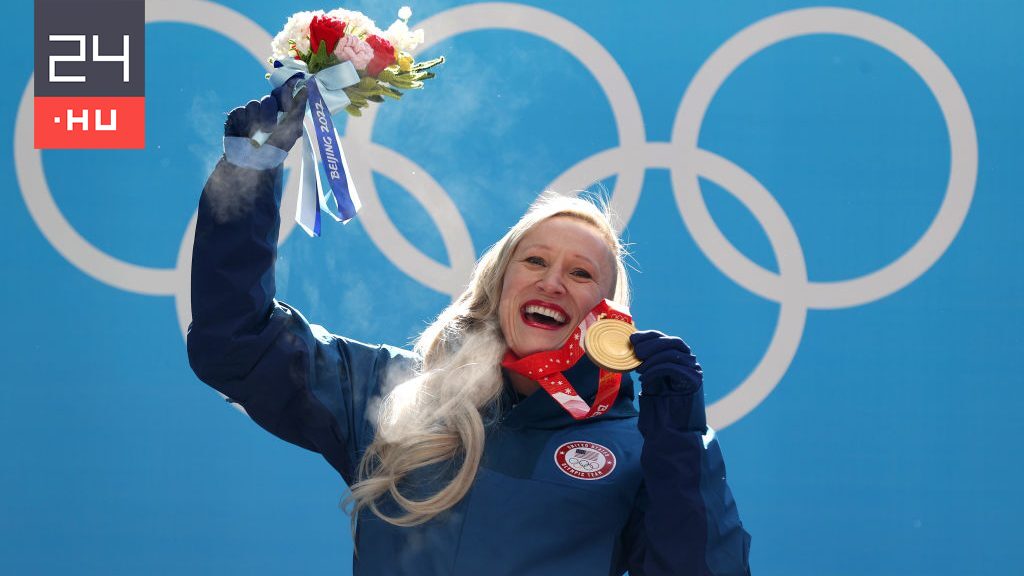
x: 870, y: 427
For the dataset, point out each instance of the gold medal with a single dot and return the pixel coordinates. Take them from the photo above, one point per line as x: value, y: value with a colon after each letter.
x: 607, y: 344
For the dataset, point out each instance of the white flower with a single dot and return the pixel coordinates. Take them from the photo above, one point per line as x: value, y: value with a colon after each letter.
x: 357, y: 19
x: 402, y: 38
x: 296, y: 30
x: 404, y: 13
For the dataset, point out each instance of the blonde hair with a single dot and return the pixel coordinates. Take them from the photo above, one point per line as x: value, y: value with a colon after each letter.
x: 438, y: 416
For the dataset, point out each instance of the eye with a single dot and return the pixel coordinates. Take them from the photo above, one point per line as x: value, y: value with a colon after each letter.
x: 581, y: 273
x: 535, y: 260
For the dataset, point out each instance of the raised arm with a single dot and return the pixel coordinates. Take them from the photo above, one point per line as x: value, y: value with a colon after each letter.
x: 685, y: 522
x: 294, y: 379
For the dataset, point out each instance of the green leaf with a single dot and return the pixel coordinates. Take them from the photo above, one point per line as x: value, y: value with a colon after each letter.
x: 427, y: 64
x: 321, y: 59
x: 391, y: 93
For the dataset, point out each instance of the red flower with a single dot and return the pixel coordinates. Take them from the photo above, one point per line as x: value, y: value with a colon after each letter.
x: 383, y: 54
x: 327, y: 29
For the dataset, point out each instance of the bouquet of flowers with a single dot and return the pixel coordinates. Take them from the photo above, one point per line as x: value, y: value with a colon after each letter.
x: 345, y: 61
x: 381, y: 57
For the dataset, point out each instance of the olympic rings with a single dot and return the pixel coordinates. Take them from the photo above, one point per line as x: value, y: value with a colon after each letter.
x: 582, y: 465
x: 682, y: 156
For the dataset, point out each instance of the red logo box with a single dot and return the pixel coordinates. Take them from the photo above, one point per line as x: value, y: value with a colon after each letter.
x: 90, y: 122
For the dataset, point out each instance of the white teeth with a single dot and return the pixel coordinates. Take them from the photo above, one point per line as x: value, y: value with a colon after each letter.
x: 549, y: 312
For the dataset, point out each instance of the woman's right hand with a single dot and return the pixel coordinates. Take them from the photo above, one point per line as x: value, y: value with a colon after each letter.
x: 263, y: 115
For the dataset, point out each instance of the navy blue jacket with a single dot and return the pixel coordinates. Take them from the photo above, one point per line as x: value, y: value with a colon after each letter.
x: 663, y: 509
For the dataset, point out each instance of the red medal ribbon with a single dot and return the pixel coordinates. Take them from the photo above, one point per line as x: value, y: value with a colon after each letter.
x: 546, y: 367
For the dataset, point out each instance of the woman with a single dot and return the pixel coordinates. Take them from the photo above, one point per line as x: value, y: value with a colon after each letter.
x: 458, y: 462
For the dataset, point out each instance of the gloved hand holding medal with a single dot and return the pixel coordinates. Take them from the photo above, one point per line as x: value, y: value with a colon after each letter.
x: 663, y: 363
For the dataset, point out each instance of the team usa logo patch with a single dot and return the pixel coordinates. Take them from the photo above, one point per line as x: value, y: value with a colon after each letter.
x: 585, y: 460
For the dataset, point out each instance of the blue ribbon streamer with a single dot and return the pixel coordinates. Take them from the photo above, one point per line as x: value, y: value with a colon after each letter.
x: 327, y: 96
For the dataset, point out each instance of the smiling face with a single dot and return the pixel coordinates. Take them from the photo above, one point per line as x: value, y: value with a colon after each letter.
x: 559, y: 271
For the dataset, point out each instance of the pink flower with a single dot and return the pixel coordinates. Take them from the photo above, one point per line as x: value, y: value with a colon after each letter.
x: 354, y: 50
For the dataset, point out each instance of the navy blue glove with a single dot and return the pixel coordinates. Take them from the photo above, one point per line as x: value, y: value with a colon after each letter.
x: 667, y: 365
x: 244, y: 121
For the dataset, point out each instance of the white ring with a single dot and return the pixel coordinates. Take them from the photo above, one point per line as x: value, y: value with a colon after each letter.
x: 959, y: 122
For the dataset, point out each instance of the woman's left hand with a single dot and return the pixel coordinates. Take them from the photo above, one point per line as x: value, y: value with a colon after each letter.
x: 667, y: 364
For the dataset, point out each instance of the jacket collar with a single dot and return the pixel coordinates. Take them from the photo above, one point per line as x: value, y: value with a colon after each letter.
x: 540, y: 410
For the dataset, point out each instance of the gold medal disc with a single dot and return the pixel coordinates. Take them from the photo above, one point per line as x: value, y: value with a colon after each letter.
x: 607, y: 344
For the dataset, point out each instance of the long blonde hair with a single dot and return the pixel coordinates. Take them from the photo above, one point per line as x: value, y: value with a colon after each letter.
x: 438, y: 416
